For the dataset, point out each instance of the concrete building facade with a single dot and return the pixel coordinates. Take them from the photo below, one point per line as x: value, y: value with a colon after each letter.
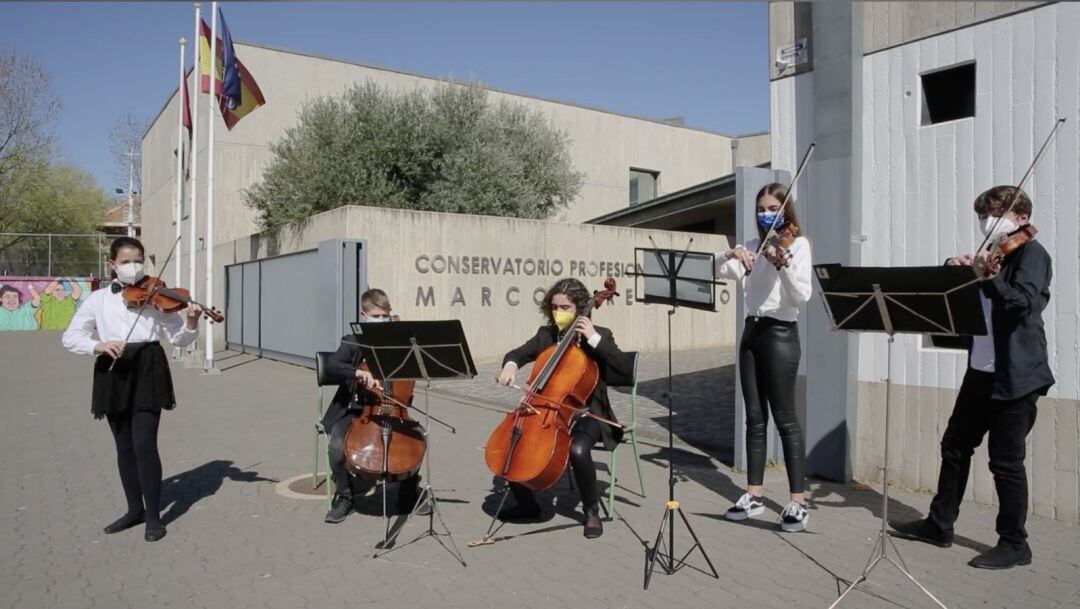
x: 892, y: 184
x: 609, y: 148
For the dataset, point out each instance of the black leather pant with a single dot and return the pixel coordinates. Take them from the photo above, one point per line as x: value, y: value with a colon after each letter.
x: 586, y: 434
x: 345, y: 485
x: 768, y: 366
x: 1007, y: 423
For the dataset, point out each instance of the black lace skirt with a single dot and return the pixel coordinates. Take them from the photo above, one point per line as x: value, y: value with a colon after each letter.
x: 140, y: 380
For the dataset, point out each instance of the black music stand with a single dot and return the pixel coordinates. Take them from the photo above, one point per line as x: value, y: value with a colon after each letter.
x: 937, y: 300
x: 418, y: 351
x: 668, y: 281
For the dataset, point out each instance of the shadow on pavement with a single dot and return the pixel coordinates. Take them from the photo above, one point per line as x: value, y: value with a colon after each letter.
x: 180, y: 492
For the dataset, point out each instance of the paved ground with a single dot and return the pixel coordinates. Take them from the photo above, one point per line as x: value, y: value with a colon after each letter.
x: 235, y: 542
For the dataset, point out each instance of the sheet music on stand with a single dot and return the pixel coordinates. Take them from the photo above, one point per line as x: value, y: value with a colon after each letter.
x: 415, y: 350
x: 935, y: 300
x: 418, y: 351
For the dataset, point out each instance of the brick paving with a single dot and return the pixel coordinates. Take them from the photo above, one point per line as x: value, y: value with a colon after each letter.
x: 235, y: 542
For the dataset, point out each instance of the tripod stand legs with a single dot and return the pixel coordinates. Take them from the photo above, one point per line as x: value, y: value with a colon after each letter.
x: 876, y: 557
x: 667, y: 560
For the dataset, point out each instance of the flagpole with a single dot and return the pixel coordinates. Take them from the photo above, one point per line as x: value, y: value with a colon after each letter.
x: 178, y: 215
x: 193, y: 234
x: 208, y: 360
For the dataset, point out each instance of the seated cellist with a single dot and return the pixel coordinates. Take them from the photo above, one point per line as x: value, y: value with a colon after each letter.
x: 560, y: 309
x: 342, y: 368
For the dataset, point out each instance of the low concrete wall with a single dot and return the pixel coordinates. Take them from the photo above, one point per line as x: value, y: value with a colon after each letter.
x: 917, y: 420
x: 489, y: 272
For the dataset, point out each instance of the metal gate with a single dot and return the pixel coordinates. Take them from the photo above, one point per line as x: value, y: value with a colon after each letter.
x: 288, y: 307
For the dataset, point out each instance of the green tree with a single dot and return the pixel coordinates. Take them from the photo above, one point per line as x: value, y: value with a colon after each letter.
x: 450, y: 149
x: 35, y: 195
x: 51, y: 199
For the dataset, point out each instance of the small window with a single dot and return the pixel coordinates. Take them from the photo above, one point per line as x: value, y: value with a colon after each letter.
x: 642, y: 185
x: 948, y: 94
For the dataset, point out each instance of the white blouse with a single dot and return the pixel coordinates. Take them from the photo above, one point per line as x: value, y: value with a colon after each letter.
x: 107, y: 313
x: 767, y: 291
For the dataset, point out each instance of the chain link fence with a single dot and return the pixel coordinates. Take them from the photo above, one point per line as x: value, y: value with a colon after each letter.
x: 53, y: 254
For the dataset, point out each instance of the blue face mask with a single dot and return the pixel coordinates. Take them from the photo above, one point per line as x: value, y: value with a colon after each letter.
x: 765, y: 219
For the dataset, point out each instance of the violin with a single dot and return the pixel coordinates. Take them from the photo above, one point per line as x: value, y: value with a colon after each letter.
x: 1006, y: 245
x: 153, y: 291
x: 1013, y: 241
x: 782, y: 239
x: 384, y: 443
x: 531, y: 446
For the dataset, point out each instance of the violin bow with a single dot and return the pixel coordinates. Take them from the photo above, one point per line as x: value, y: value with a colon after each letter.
x: 787, y: 198
x: 1016, y: 193
x: 149, y: 297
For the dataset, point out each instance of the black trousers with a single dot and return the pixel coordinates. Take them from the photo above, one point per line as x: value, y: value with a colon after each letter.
x: 346, y: 485
x: 135, y: 433
x: 768, y: 366
x: 587, y: 432
x: 1008, y: 423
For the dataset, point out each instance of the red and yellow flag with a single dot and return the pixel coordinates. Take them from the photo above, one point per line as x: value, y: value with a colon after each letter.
x: 251, y: 96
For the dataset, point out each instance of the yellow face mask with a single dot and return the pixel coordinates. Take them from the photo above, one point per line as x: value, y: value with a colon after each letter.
x: 563, y: 319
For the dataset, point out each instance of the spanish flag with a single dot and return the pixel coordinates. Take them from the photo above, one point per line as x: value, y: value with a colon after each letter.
x: 233, y: 108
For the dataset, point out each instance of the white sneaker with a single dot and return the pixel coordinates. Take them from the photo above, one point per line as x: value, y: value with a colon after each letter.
x: 794, y: 517
x: 747, y: 506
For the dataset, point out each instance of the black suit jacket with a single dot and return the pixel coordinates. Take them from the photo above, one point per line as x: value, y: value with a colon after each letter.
x: 615, y: 367
x: 1018, y: 295
x: 341, y: 368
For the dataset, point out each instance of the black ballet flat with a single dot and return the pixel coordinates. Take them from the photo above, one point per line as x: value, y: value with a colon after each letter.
x: 123, y: 523
x: 154, y: 532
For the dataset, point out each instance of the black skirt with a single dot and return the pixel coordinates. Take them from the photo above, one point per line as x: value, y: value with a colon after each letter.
x: 140, y: 380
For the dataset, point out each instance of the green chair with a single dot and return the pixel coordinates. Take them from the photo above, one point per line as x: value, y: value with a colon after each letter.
x: 321, y: 358
x: 629, y: 437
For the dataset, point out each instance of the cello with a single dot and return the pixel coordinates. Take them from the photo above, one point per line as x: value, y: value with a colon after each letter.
x: 531, y: 445
x: 384, y: 443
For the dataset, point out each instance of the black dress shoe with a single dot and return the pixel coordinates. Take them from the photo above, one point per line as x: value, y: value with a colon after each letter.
x: 1002, y: 556
x: 521, y: 512
x: 924, y: 530
x: 124, y: 523
x: 154, y: 532
x: 594, y: 527
x: 339, y: 510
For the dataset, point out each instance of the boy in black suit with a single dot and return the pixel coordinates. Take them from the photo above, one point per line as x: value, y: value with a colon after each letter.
x: 1007, y: 371
x: 342, y: 368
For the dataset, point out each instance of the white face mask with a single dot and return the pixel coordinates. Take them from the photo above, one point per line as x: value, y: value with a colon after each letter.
x: 1005, y: 226
x: 375, y: 320
x: 130, y: 273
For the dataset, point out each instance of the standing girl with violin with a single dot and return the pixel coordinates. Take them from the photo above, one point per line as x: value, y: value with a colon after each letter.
x: 775, y: 285
x: 132, y: 383
x: 561, y: 307
x: 1008, y: 369
x: 344, y: 367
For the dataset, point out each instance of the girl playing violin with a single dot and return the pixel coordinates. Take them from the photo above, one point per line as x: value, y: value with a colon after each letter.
x: 769, y: 350
x: 132, y: 382
x: 342, y: 368
x: 560, y: 309
x: 1008, y: 369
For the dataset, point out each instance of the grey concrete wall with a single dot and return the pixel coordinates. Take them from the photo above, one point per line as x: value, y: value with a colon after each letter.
x: 918, y: 418
x: 788, y: 22
x: 753, y: 150
x: 498, y: 309
x: 920, y: 182
x: 887, y: 24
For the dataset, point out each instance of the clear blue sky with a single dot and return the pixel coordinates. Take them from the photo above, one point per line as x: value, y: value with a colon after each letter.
x: 704, y: 61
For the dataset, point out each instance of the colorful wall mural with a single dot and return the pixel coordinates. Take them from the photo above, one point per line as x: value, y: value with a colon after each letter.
x: 41, y: 303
